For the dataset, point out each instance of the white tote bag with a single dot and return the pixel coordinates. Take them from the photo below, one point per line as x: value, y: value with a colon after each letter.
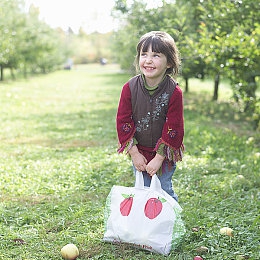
x: 145, y: 217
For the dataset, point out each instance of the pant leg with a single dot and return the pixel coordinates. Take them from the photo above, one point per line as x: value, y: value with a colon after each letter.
x: 166, y: 180
x: 146, y: 176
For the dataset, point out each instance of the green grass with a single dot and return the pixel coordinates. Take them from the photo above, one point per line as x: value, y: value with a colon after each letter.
x: 59, y: 162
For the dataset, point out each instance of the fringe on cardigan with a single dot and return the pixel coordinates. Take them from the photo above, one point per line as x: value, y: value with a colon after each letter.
x: 170, y: 152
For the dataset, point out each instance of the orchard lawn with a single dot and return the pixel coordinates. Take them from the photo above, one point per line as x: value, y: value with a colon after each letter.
x: 59, y: 161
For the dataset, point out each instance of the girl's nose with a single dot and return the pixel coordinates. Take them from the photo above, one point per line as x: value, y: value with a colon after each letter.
x: 149, y: 60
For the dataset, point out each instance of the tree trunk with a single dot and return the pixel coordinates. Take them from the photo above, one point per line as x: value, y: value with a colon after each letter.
x: 1, y: 73
x: 25, y: 72
x: 216, y: 85
x: 250, y: 93
x: 186, y: 85
x: 12, y: 73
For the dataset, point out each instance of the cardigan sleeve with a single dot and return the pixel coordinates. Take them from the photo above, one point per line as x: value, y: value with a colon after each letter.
x: 124, y: 120
x: 173, y: 129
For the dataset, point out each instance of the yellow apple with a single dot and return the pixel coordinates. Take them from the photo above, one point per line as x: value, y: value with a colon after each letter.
x: 70, y: 252
x: 226, y: 231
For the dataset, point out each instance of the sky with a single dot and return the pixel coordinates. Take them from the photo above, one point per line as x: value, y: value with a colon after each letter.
x: 91, y: 15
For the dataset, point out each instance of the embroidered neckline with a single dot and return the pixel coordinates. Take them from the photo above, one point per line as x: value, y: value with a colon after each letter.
x: 154, y: 87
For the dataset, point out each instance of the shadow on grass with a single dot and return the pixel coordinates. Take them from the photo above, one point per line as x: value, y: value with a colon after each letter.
x: 218, y: 113
x: 70, y: 130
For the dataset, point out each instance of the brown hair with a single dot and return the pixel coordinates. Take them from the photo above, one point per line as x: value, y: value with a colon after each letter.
x: 160, y: 42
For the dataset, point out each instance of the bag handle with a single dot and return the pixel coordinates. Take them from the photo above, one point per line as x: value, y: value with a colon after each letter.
x: 139, y: 180
x: 155, y: 182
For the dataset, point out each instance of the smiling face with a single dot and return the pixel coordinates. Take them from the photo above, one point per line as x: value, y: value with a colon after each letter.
x: 156, y: 51
x: 153, y: 65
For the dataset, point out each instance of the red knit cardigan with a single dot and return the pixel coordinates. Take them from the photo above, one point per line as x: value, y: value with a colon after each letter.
x: 172, y: 133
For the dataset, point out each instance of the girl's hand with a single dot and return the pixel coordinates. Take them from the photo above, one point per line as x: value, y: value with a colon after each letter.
x: 154, y: 165
x: 138, y: 159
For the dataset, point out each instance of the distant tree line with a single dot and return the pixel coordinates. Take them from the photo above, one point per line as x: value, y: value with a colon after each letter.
x: 26, y: 43
x: 217, y: 39
x: 29, y: 45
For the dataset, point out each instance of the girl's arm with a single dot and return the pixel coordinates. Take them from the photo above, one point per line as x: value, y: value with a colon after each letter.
x: 126, y: 129
x: 171, y: 142
x: 124, y: 122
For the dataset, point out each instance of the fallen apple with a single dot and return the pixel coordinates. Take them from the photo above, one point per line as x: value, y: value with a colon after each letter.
x: 195, y: 229
x: 242, y: 257
x: 70, y: 252
x: 226, y: 231
x: 202, y: 249
x: 197, y: 258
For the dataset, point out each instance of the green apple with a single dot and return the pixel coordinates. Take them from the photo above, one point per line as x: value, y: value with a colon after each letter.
x: 70, y: 252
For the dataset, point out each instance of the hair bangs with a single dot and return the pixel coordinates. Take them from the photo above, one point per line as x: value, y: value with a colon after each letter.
x: 156, y: 45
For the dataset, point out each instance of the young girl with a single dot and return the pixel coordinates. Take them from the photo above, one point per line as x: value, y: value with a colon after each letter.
x: 150, y: 124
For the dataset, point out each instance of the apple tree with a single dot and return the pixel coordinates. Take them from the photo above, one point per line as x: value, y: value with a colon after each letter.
x: 229, y: 45
x: 26, y: 43
x: 10, y: 19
